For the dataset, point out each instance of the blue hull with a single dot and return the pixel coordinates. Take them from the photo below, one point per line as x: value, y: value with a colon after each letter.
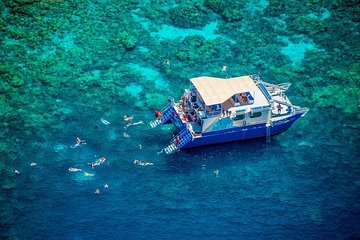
x: 242, y: 133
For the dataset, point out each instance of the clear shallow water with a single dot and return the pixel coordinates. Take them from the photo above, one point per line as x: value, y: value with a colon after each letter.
x: 304, y: 184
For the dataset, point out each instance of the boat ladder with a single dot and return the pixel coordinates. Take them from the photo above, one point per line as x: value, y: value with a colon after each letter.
x: 268, y: 132
x: 155, y: 123
x: 184, y: 137
x: 167, y: 112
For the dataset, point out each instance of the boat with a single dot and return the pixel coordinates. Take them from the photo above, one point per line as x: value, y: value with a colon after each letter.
x: 217, y: 110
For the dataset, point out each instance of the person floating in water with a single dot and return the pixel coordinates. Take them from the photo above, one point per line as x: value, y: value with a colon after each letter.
x: 98, y: 162
x: 79, y: 142
x: 106, y: 186
x: 16, y: 172
x: 134, y: 124
x: 104, y: 121
x: 97, y: 191
x: 127, y: 118
x: 216, y: 172
x: 167, y: 62
x: 142, y: 163
x: 71, y: 169
x: 86, y: 174
x: 126, y: 135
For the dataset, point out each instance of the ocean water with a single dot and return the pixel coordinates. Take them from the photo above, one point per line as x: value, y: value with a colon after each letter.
x: 67, y: 64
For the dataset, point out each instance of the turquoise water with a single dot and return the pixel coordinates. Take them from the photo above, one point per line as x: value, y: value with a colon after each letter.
x: 67, y: 64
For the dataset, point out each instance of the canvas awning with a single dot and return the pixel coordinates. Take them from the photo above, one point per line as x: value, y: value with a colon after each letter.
x: 218, y: 90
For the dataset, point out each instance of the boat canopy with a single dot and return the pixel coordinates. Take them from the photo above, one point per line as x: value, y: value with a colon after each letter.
x: 218, y: 90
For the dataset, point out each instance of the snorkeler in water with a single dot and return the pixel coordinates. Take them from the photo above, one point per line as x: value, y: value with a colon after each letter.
x: 142, y: 163
x: 71, y: 169
x: 79, y: 142
x: 127, y: 118
x: 134, y: 124
x: 97, y: 162
x: 104, y: 121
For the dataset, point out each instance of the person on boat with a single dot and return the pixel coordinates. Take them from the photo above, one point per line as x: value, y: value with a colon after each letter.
x: 16, y: 172
x: 279, y: 107
x: 127, y: 118
x: 158, y: 115
x: 79, y: 142
x: 97, y: 191
x: 177, y: 140
x: 71, y: 169
x: 186, y: 110
x: 189, y: 126
x: 142, y: 163
x: 288, y: 110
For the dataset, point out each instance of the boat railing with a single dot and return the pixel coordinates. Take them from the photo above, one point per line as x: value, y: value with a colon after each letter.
x: 281, y: 86
x: 184, y: 137
x: 213, y: 113
x: 302, y: 110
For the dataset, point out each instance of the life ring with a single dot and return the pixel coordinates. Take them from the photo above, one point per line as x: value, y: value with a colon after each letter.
x: 244, y: 122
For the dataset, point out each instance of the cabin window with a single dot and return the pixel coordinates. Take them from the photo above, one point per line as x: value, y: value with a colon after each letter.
x: 239, y: 117
x: 255, y: 115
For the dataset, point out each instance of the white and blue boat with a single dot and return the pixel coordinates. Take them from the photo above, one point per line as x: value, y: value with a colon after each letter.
x: 216, y: 110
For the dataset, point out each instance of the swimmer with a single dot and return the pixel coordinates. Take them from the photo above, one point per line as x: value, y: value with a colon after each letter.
x: 167, y: 62
x: 134, y: 124
x: 78, y: 143
x: 126, y: 135
x: 224, y: 68
x: 101, y: 160
x: 216, y: 172
x: 71, y: 169
x: 140, y: 147
x: 86, y: 174
x: 97, y: 191
x: 142, y: 163
x: 16, y: 172
x: 106, y: 186
x: 127, y: 118
x: 104, y: 121
x: 98, y: 162
x: 33, y: 164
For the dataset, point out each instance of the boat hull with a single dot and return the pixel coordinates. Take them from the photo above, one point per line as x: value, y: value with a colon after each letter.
x: 242, y: 133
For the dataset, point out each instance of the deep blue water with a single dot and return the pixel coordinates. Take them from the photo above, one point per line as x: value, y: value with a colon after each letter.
x: 293, y: 187
x: 304, y: 184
